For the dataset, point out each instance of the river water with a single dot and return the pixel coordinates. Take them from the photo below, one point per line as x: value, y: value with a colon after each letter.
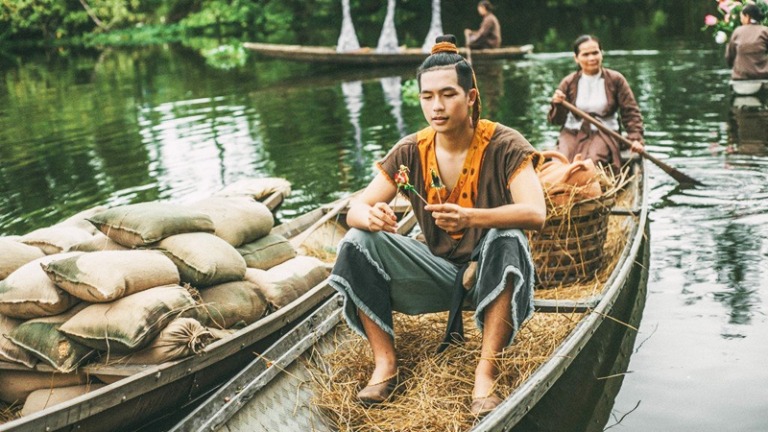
x: 160, y: 124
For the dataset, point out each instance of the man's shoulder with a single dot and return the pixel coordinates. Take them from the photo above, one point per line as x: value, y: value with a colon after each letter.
x: 505, y: 133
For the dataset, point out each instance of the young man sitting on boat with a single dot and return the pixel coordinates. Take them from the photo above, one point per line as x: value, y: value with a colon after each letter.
x: 473, y: 188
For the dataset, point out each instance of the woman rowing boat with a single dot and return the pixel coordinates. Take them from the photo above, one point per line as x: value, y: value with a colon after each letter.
x: 606, y: 94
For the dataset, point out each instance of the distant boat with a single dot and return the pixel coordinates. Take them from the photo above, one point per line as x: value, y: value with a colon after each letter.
x: 368, y: 56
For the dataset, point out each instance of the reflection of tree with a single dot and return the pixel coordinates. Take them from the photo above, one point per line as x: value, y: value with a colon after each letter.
x: 737, y: 263
x: 490, y: 82
x: 393, y: 94
x: 60, y: 150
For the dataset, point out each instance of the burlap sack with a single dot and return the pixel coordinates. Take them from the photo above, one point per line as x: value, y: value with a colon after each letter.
x: 80, y: 220
x: 267, y: 252
x: 9, y: 351
x: 41, y: 337
x: 130, y: 323
x: 30, y: 293
x: 55, y: 239
x: 232, y: 304
x: 286, y: 282
x: 99, y: 242
x: 105, y: 276
x: 41, y: 399
x: 15, y: 254
x: 15, y: 386
x: 237, y: 220
x: 181, y: 338
x: 257, y: 188
x: 203, y: 259
x: 146, y: 223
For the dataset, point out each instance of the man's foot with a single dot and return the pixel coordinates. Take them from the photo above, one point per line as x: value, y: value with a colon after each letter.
x: 378, y: 392
x: 483, y: 405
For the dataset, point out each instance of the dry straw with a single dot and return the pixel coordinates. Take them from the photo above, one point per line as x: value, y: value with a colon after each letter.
x: 9, y: 412
x: 434, y: 391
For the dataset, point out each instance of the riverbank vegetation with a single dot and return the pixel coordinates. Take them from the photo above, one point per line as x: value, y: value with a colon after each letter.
x: 549, y: 24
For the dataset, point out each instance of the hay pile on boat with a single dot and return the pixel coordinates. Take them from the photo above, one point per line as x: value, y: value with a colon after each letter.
x: 435, y: 390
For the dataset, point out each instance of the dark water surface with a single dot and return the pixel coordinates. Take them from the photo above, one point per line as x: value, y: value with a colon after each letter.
x: 159, y: 124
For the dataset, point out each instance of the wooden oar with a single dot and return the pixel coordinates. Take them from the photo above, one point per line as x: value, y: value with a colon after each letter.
x: 675, y: 174
x: 341, y: 205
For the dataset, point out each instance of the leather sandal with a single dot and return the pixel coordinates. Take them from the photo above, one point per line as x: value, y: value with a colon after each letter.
x: 483, y: 405
x: 378, y: 392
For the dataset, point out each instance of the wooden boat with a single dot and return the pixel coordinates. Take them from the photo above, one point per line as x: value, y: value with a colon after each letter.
x: 275, y: 391
x: 148, y: 392
x: 748, y: 87
x: 368, y: 57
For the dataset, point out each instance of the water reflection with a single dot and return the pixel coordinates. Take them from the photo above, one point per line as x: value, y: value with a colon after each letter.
x: 748, y: 125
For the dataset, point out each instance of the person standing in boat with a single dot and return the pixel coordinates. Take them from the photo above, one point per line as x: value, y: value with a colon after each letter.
x: 473, y: 189
x: 747, y: 51
x: 489, y: 33
x: 606, y: 95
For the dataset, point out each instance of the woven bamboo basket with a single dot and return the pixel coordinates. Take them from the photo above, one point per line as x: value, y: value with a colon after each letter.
x: 570, y: 246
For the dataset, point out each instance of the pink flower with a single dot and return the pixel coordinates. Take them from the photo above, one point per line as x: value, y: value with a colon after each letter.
x: 710, y: 20
x: 726, y: 5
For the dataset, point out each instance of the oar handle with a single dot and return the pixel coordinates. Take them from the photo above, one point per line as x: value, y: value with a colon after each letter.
x: 677, y: 175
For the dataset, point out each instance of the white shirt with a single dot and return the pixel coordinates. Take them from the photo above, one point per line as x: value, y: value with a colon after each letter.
x: 591, y: 98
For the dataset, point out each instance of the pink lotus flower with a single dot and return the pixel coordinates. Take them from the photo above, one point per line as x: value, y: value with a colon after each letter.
x: 710, y: 20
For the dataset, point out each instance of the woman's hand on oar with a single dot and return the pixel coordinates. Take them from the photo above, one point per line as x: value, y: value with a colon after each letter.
x: 675, y: 174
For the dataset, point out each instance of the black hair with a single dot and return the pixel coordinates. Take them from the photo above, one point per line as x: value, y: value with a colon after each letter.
x: 753, y: 12
x: 585, y: 38
x: 487, y: 5
x: 464, y: 73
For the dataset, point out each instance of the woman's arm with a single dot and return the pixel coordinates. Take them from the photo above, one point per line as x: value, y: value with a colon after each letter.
x: 557, y: 113
x: 629, y: 112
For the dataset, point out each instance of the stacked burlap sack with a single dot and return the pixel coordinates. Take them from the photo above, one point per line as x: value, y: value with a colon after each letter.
x: 140, y: 284
x: 579, y: 198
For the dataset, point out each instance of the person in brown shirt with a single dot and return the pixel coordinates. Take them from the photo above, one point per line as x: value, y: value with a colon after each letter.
x: 473, y: 189
x: 606, y: 95
x: 747, y: 51
x: 489, y: 33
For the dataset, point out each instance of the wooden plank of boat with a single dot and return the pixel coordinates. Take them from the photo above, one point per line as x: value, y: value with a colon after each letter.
x: 367, y: 56
x: 249, y: 401
x: 148, y: 392
x: 748, y: 87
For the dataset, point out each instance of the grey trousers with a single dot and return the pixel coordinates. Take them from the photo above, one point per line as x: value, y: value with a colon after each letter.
x: 381, y: 272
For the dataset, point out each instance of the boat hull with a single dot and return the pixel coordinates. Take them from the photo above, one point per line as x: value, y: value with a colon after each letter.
x: 367, y: 57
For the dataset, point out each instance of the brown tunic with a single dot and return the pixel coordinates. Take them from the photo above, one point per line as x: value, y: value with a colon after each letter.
x: 488, y: 35
x: 597, y: 145
x: 507, y: 152
x: 747, y: 52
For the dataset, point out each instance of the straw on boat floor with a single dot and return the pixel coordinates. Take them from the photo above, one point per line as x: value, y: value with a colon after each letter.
x: 9, y: 412
x: 435, y: 390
